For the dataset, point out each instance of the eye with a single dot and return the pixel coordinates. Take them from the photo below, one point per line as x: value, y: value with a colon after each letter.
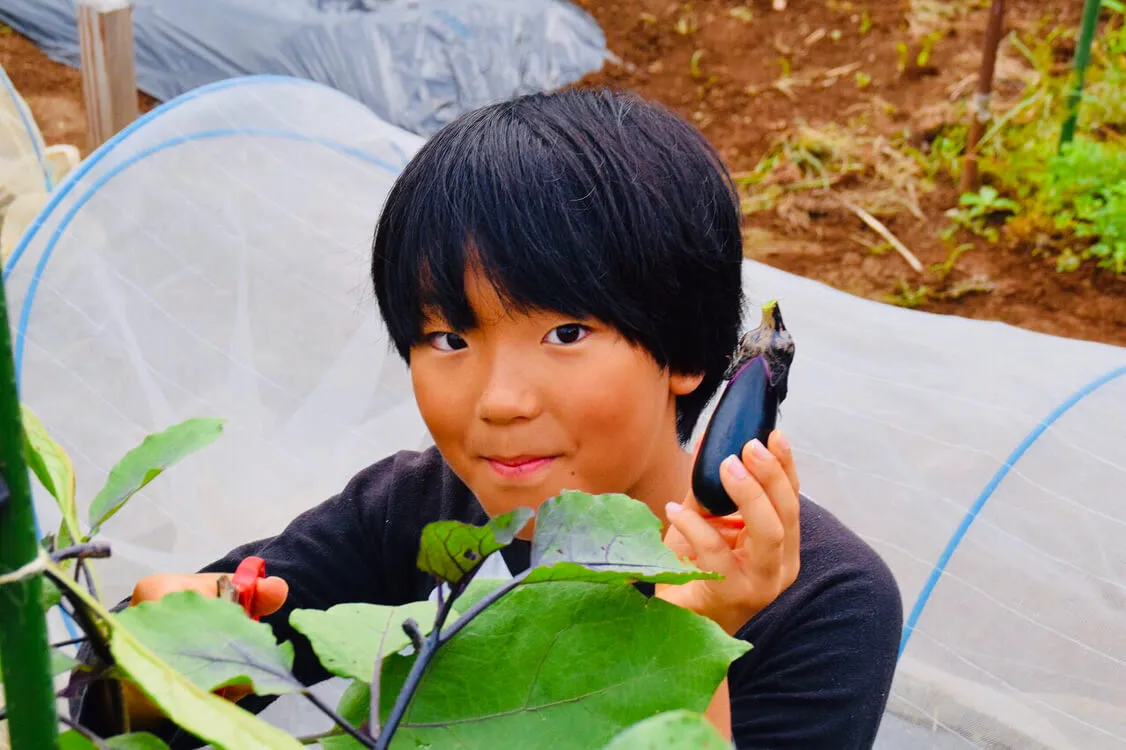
x: 446, y: 341
x: 567, y: 334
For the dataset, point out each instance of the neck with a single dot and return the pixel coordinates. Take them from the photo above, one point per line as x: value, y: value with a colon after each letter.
x: 668, y: 481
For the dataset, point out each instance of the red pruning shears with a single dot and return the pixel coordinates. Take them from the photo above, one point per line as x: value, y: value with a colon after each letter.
x: 242, y: 587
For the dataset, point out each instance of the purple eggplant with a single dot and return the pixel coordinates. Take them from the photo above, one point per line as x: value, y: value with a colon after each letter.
x: 757, y: 383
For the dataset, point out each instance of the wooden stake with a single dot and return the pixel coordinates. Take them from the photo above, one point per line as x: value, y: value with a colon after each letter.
x: 980, y: 113
x: 109, y: 76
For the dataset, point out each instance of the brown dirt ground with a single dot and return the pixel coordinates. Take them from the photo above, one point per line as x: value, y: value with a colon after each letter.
x: 53, y: 91
x: 813, y: 235
x: 810, y: 234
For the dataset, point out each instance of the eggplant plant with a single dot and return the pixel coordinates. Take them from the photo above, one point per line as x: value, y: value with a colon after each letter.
x: 491, y: 662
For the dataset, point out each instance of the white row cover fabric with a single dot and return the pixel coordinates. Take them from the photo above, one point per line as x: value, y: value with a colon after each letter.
x: 28, y: 167
x: 212, y: 261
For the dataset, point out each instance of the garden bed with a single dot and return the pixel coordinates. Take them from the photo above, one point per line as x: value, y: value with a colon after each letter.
x: 826, y: 78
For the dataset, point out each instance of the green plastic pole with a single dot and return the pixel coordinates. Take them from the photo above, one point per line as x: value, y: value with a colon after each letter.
x: 1082, y: 60
x: 25, y: 657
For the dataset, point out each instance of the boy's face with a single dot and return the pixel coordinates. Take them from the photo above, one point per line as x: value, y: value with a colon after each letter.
x: 527, y: 405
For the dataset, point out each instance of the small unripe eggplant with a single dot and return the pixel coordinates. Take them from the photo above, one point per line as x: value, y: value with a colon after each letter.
x: 748, y: 409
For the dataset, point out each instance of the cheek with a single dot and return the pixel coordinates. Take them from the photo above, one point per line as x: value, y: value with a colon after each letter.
x: 623, y: 413
x: 439, y: 406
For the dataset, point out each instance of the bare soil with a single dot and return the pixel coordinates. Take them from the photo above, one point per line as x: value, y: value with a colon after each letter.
x: 729, y: 94
x: 52, y: 91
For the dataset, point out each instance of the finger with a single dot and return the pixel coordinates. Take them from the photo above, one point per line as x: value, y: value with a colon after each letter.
x: 764, y: 534
x: 779, y: 445
x: 269, y: 596
x: 675, y: 541
x: 710, y: 550
x: 151, y: 588
x: 771, y: 477
x: 233, y: 693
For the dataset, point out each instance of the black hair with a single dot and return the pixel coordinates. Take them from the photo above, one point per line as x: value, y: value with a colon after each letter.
x: 587, y: 202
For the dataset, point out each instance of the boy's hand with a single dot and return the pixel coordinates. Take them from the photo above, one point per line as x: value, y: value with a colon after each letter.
x: 272, y: 591
x: 756, y: 549
x: 270, y: 596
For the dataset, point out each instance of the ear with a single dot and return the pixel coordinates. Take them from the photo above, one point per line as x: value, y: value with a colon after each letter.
x: 681, y: 384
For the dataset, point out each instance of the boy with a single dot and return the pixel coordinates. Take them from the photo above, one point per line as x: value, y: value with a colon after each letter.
x: 561, y: 273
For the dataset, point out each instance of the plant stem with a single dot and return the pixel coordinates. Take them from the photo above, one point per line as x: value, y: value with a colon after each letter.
x: 312, y: 739
x: 340, y: 721
x: 81, y: 551
x: 1082, y: 60
x: 426, y: 655
x: 110, y: 693
x: 373, y: 699
x: 403, y: 699
x: 26, y: 670
x: 483, y: 604
x: 429, y: 650
x: 94, y: 739
x: 980, y: 111
x: 81, y: 613
x: 410, y: 627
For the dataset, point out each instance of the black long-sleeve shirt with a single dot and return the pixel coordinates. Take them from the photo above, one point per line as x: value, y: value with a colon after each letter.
x: 824, y: 651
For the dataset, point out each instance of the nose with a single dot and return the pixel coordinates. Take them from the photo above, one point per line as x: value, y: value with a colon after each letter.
x: 510, y: 393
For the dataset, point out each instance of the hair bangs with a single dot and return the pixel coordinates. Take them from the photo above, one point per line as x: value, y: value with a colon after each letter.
x: 524, y: 214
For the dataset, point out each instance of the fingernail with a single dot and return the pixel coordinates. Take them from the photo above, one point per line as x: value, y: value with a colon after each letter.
x: 783, y: 442
x: 758, y: 450
x: 673, y: 508
x: 736, y: 468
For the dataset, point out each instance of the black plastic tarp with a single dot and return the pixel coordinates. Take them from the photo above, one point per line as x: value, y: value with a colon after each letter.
x: 415, y: 63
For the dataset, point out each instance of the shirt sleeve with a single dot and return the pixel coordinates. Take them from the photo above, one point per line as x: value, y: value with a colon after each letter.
x: 826, y: 680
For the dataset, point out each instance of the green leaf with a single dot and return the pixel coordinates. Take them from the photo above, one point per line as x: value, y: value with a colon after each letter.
x: 451, y: 550
x: 212, y: 642
x: 147, y: 461
x: 62, y: 662
x: 559, y: 666
x: 53, y: 469
x: 354, y: 707
x: 51, y: 594
x: 215, y: 720
x: 612, y: 537
x: 136, y: 741
x: 477, y: 590
x: 348, y: 638
x: 672, y: 730
x: 72, y: 740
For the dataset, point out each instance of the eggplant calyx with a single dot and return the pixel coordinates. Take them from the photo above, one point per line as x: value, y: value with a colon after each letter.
x: 770, y: 340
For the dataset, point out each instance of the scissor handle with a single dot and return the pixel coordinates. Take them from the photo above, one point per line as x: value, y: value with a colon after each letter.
x: 245, y: 581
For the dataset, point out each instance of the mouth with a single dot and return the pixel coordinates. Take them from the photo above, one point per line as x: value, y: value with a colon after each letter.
x: 518, y: 467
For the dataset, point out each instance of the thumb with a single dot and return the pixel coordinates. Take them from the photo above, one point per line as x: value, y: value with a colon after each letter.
x: 270, y: 596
